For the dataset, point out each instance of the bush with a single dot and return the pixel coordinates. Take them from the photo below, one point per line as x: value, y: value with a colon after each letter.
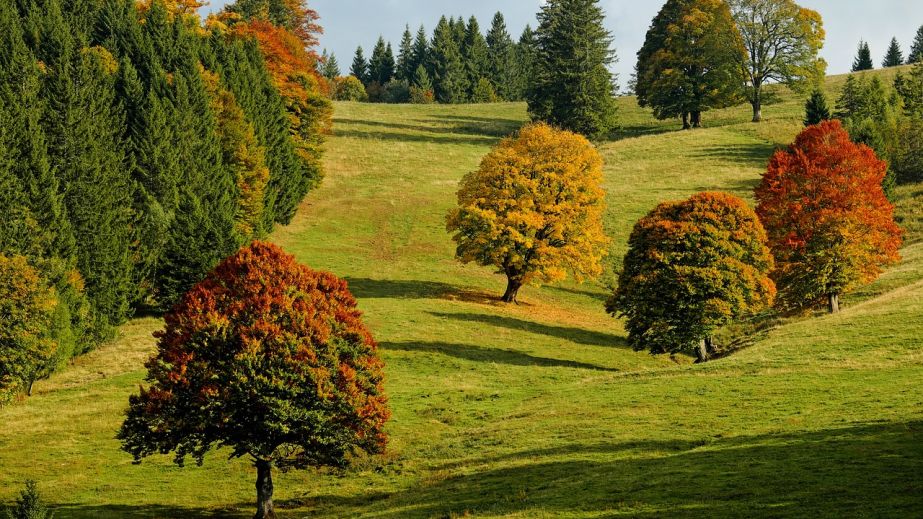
x: 29, y: 505
x: 418, y: 96
x: 396, y: 92
x: 350, y: 89
x: 484, y: 92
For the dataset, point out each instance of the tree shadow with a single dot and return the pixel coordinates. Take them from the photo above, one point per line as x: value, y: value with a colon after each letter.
x: 151, y: 511
x: 493, y: 127
x: 755, y: 154
x: 363, y: 288
x: 454, y: 138
x: 576, y: 335
x: 491, y: 355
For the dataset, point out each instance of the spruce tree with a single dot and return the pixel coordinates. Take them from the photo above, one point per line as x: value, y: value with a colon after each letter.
x: 421, y: 80
x: 571, y: 86
x: 449, y: 79
x: 501, y: 66
x: 421, y: 50
x: 405, y: 60
x: 525, y: 53
x: 474, y: 56
x: 863, y: 59
x: 894, y: 57
x: 816, y: 109
x: 381, y: 64
x: 916, y: 49
x: 329, y: 66
x: 360, y: 67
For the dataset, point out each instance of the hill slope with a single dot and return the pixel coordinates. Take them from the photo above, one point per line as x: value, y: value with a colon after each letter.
x: 538, y: 409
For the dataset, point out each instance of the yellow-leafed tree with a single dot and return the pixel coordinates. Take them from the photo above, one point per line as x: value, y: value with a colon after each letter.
x: 533, y: 209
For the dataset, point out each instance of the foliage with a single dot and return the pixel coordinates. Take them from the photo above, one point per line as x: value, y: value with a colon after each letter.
x: 501, y: 59
x: 29, y: 504
x: 526, y: 54
x: 533, y: 209
x: 381, y: 64
x: 405, y: 65
x: 484, y: 92
x: 268, y: 358
x: 292, y: 15
x: 894, y: 57
x: 350, y: 89
x: 830, y: 226
x: 782, y: 40
x: 571, y: 85
x: 329, y: 66
x: 692, y: 266
x: 445, y: 63
x: 816, y: 109
x: 474, y: 52
x: 360, y: 67
x: 916, y: 49
x: 690, y: 61
x: 863, y: 59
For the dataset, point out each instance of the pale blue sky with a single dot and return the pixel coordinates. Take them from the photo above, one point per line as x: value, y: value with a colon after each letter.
x: 348, y: 23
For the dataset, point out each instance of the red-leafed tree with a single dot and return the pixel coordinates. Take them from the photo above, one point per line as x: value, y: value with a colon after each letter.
x: 829, y: 223
x: 267, y: 358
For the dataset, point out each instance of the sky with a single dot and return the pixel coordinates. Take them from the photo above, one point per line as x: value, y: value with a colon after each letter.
x: 349, y: 23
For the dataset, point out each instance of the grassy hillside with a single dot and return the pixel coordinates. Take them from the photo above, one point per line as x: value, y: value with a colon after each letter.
x: 540, y: 409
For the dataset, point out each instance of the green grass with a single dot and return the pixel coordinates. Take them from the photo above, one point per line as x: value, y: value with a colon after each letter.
x: 540, y: 409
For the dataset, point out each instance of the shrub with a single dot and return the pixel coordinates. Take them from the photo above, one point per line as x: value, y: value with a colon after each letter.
x: 484, y: 92
x: 396, y: 92
x: 422, y: 97
x: 29, y: 505
x: 350, y: 89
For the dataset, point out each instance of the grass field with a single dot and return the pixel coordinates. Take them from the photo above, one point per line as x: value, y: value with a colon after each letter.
x: 540, y: 409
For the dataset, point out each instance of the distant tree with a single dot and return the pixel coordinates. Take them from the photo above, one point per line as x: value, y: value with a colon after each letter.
x: 816, y: 109
x: 910, y: 90
x: 292, y: 15
x: 692, y: 266
x: 894, y: 56
x: 533, y: 209
x: 916, y: 49
x: 405, y: 61
x: 830, y: 226
x: 381, y: 64
x: 690, y: 61
x: 526, y: 53
x: 29, y: 504
x: 782, y: 41
x: 269, y: 359
x: 474, y: 56
x: 501, y: 59
x: 449, y: 77
x: 483, y: 92
x: 360, y: 67
x: 421, y: 50
x: 330, y: 67
x: 571, y: 85
x: 863, y: 59
x: 27, y: 308
x: 421, y: 89
x: 350, y: 89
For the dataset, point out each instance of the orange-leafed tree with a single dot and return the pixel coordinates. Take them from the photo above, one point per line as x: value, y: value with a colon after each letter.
x: 269, y: 359
x: 533, y: 209
x: 830, y: 226
x: 692, y: 266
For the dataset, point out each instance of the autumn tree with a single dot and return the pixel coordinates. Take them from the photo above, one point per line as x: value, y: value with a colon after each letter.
x: 692, y: 266
x: 268, y: 358
x: 690, y: 61
x: 533, y: 209
x: 782, y: 40
x: 830, y: 226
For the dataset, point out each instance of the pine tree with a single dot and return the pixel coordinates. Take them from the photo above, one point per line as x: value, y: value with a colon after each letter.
x: 329, y: 66
x: 863, y: 59
x: 525, y: 53
x: 571, y: 85
x: 916, y: 49
x: 894, y: 57
x: 421, y: 79
x: 421, y: 50
x: 474, y: 56
x: 360, y: 67
x: 501, y: 64
x: 381, y: 64
x: 449, y: 77
x: 405, y: 60
x: 816, y: 109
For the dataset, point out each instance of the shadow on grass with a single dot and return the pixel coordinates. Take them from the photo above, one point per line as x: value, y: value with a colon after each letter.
x: 755, y: 154
x: 415, y: 289
x: 74, y: 510
x: 495, y: 355
x: 577, y: 335
x: 446, y: 138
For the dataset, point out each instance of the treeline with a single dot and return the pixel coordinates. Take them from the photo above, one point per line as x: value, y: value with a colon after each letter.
x: 894, y: 56
x: 457, y: 64
x: 138, y: 147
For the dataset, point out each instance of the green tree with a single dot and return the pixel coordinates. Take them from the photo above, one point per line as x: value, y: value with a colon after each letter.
x: 870, y: 113
x: 360, y: 67
x: 526, y: 53
x: 863, y: 59
x: 381, y: 64
x: 405, y: 60
x: 894, y: 57
x: 474, y: 56
x: 690, y: 61
x: 916, y: 49
x: 501, y: 59
x: 782, y: 40
x: 571, y: 85
x: 816, y: 109
x: 449, y: 79
x: 692, y: 266
x: 330, y: 67
x: 308, y: 393
x: 421, y: 50
x: 29, y: 504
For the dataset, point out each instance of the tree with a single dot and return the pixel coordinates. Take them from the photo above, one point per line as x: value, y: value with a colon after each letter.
x: 916, y: 49
x: 360, y: 67
x: 571, y: 85
x: 268, y: 358
x: 350, y: 89
x: 29, y: 504
x: 525, y: 53
x: 27, y: 308
x: 420, y: 55
x: 449, y: 79
x: 533, y: 209
x: 816, y: 109
x: 690, y: 61
x: 421, y: 89
x: 863, y: 59
x: 830, y: 226
x: 894, y: 56
x: 292, y: 15
x: 474, y: 56
x: 381, y: 64
x: 692, y: 266
x: 782, y: 41
x: 501, y: 59
x: 483, y: 92
x: 330, y: 67
x: 405, y: 62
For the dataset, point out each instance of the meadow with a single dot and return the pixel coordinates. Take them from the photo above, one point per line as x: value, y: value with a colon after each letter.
x: 538, y: 409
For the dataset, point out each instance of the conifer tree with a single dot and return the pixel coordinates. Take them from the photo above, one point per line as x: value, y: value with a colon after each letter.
x: 894, y: 57
x: 405, y: 62
x: 571, y: 85
x: 421, y: 50
x: 381, y: 64
x: 916, y: 49
x: 501, y: 65
x: 525, y: 62
x: 474, y: 55
x: 863, y: 59
x: 421, y: 79
x: 330, y: 67
x: 449, y: 77
x: 816, y: 109
x: 360, y: 67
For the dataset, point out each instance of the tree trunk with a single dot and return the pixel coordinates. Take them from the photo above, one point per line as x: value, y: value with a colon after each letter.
x: 264, y: 507
x: 29, y: 389
x: 512, y: 290
x: 757, y: 112
x: 686, y: 125
x: 834, y: 300
x: 696, y: 119
x: 757, y: 101
x: 710, y: 346
x: 701, y: 352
